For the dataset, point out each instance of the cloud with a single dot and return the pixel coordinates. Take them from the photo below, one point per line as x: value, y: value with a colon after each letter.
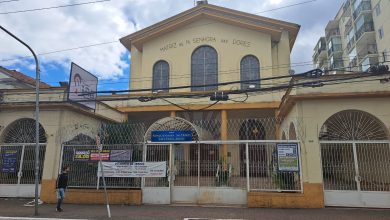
x: 73, y: 27
x: 70, y: 27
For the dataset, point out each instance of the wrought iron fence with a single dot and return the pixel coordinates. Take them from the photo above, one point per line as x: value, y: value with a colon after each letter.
x: 83, y: 162
x: 238, y: 164
x: 17, y: 162
x: 212, y: 161
x: 356, y: 165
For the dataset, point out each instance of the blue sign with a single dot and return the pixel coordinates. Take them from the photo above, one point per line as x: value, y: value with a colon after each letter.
x: 171, y: 136
x: 9, y: 161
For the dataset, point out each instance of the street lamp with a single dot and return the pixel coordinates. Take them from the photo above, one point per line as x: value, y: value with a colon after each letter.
x: 36, y: 117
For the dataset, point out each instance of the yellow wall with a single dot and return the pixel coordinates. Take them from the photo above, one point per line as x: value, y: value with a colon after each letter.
x: 312, y: 197
x: 60, y: 126
x: 91, y: 196
x: 176, y: 48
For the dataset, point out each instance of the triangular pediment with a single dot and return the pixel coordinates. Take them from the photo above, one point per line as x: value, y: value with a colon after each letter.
x: 270, y: 26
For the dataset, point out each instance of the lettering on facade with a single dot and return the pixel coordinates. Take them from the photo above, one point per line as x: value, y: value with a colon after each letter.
x: 198, y: 40
x: 241, y: 43
x: 203, y: 40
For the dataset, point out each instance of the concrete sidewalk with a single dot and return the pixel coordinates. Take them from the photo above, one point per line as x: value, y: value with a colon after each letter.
x: 16, y: 208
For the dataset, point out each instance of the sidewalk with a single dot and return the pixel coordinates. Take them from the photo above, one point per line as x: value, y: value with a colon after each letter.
x: 15, y: 208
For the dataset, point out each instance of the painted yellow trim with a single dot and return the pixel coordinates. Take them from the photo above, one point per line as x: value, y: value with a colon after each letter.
x: 232, y: 15
x: 289, y: 100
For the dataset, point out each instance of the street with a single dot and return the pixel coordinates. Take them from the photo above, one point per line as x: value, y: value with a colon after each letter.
x: 15, y: 208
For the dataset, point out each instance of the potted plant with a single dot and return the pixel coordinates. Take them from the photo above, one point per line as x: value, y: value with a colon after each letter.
x: 224, y: 171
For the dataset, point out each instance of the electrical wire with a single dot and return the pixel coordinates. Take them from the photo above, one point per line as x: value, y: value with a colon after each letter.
x: 254, y: 91
x: 287, y: 6
x: 313, y: 73
x: 188, y: 109
x: 53, y: 7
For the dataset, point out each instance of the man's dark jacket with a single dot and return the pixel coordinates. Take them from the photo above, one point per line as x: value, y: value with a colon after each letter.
x: 62, y: 181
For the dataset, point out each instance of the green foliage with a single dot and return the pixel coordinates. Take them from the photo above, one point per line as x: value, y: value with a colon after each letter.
x: 284, y: 180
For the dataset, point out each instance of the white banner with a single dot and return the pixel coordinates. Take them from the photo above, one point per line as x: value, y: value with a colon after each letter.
x: 136, y: 169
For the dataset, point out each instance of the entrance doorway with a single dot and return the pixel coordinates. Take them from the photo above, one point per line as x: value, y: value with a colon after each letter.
x: 253, y: 130
x: 355, y: 153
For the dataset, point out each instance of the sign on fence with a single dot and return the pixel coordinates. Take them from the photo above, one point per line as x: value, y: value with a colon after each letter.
x: 288, y: 158
x: 137, y: 169
x: 107, y: 155
x: 9, y: 161
x: 169, y: 136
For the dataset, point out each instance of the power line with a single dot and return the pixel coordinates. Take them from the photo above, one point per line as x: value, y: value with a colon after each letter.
x: 287, y: 6
x: 311, y: 74
x: 186, y: 76
x: 62, y: 50
x: 291, y: 84
x: 53, y: 7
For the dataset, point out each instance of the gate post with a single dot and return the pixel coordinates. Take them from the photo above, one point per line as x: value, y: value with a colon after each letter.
x: 20, y: 173
x: 224, y: 131
x: 144, y: 150
x: 357, y: 175
x: 247, y: 166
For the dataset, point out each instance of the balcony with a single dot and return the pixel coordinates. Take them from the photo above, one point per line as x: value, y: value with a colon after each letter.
x: 363, y: 6
x: 346, y: 5
x: 350, y: 44
x: 335, y: 48
x: 366, y: 27
x: 352, y: 66
x: 332, y: 32
x: 368, y: 62
x: 338, y: 64
x: 368, y: 50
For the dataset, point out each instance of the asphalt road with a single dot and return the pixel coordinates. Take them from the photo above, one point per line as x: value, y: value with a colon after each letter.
x: 15, y: 208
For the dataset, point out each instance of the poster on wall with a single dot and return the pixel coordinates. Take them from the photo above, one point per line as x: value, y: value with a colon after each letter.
x: 121, y: 155
x: 81, y: 155
x: 82, y: 87
x: 136, y: 169
x: 288, y: 158
x: 9, y: 161
x: 107, y: 155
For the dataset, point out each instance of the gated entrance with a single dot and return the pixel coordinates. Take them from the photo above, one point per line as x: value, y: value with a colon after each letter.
x: 17, y: 174
x: 17, y: 158
x: 202, y: 170
x: 355, y: 161
x: 196, y: 176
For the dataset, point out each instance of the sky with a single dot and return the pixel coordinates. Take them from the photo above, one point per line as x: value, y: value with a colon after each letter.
x: 65, y: 34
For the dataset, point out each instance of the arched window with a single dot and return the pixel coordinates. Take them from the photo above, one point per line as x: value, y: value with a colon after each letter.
x: 204, y: 68
x: 291, y: 132
x: 353, y: 125
x: 250, y: 70
x: 161, y: 76
x: 23, y: 131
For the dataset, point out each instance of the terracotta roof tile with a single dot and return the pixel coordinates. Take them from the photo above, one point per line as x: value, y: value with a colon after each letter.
x: 24, y: 78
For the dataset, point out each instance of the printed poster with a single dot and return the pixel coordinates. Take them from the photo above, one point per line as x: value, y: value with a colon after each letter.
x: 288, y: 158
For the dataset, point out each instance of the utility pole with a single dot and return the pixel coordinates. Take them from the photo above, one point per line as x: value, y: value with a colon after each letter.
x: 37, y: 80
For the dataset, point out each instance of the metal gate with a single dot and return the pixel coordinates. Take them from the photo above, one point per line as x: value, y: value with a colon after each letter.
x: 356, y: 173
x: 198, y: 173
x: 157, y: 190
x: 17, y: 174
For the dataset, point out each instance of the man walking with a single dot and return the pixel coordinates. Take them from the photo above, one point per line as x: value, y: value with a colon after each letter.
x: 62, y: 183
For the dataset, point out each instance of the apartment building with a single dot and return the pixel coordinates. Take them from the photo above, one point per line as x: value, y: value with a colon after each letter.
x: 356, y: 38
